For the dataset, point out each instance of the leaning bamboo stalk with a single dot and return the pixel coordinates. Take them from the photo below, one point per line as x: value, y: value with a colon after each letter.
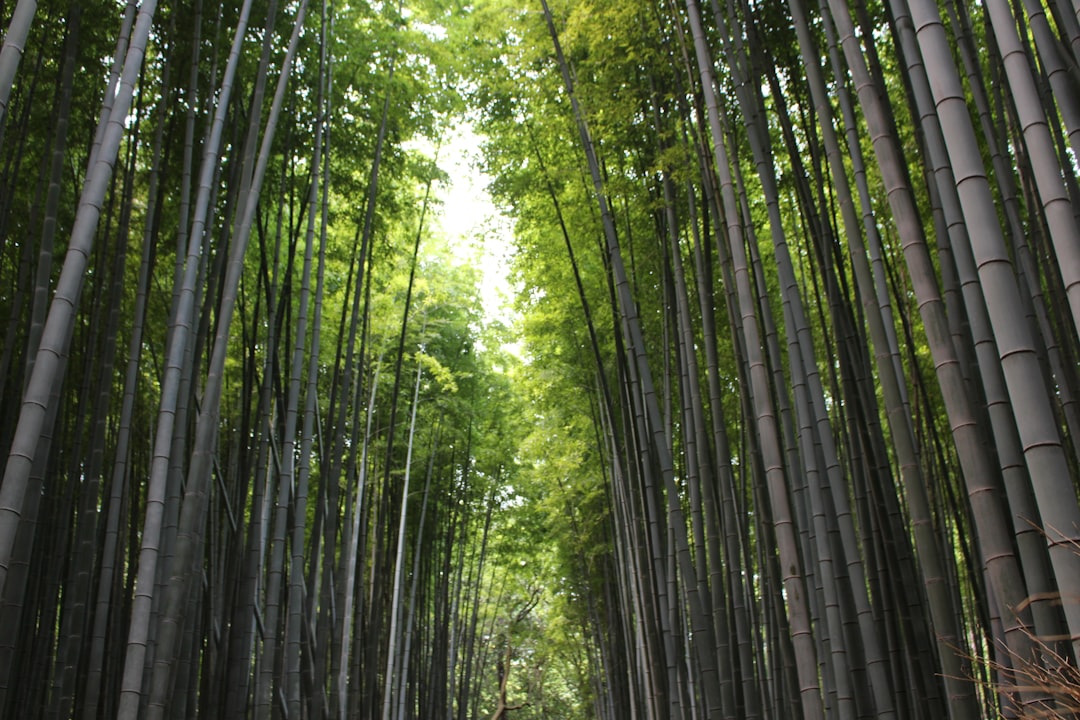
x: 12, y: 50
x: 59, y: 324
x: 1054, y: 490
x: 296, y: 619
x: 704, y: 632
x: 799, y: 618
x: 138, y: 628
x: 393, y: 680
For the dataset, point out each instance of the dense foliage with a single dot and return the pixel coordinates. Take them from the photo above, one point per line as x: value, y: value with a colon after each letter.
x: 783, y: 421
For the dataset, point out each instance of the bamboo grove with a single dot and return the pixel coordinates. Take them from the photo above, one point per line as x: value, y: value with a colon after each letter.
x: 785, y: 423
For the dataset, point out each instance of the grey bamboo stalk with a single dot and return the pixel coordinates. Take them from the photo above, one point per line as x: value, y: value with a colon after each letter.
x: 1046, y: 168
x: 138, y: 628
x: 88, y: 520
x: 468, y: 630
x: 365, y: 253
x: 16, y: 578
x: 202, y: 458
x: 56, y: 334
x: 239, y: 682
x: 392, y: 679
x: 11, y: 609
x: 286, y: 483
x: 799, y: 620
x: 978, y: 474
x: 77, y: 595
x: 872, y: 250
x: 727, y: 501
x: 1056, y: 67
x: 190, y: 111
x: 328, y: 595
x: 725, y: 481
x: 816, y: 430
x: 457, y: 632
x: 40, y: 299
x: 704, y: 643
x: 699, y: 478
x: 1069, y: 24
x: 123, y: 40
x: 343, y: 458
x: 179, y: 448
x: 121, y: 468
x: 1043, y: 452
x: 354, y: 541
x: 399, y: 562
x: 275, y: 569
x: 12, y: 50
x: 296, y: 564
x: 1022, y: 504
x: 941, y: 606
x: 258, y: 96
